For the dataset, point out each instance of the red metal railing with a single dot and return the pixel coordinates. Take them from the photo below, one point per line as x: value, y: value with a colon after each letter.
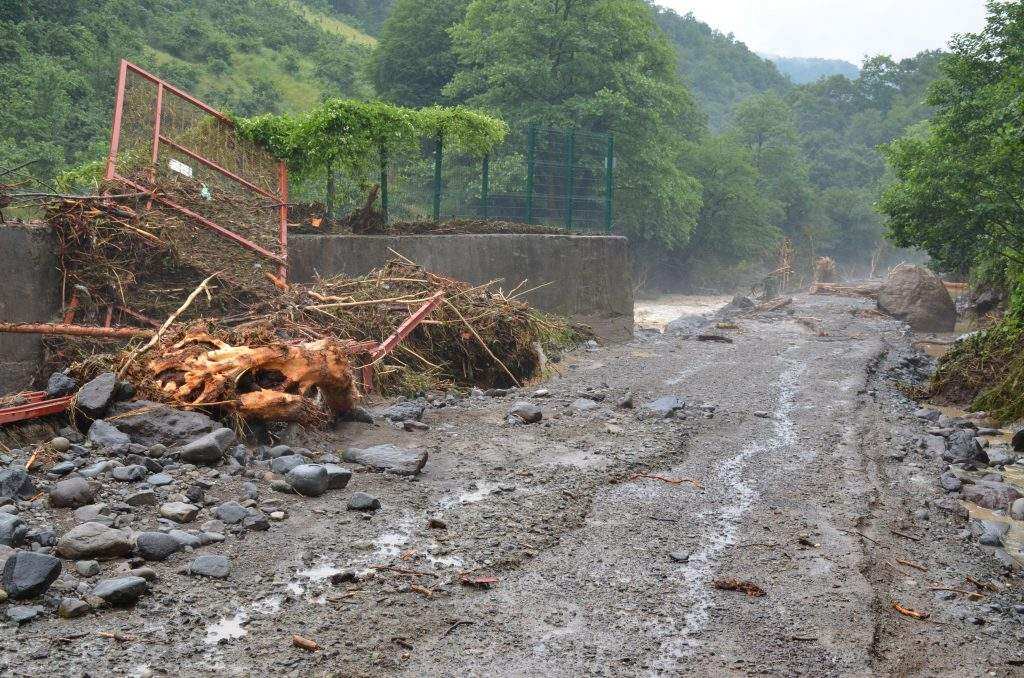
x: 251, y: 166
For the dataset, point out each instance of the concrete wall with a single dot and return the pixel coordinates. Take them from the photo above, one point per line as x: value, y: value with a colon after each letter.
x: 589, y: 277
x: 29, y: 292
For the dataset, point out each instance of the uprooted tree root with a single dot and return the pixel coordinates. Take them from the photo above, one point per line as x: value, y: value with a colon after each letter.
x: 985, y: 371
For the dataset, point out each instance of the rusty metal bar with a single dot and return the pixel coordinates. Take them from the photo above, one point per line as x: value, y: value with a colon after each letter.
x: 245, y: 242
x: 178, y: 92
x: 34, y: 410
x: 407, y: 326
x: 217, y: 168
x: 282, y: 232
x: 64, y: 329
x: 115, y: 134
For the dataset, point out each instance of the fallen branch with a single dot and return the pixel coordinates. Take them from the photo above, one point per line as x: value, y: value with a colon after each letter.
x: 483, y: 344
x: 907, y: 612
x: 922, y: 568
x: 304, y: 643
x: 748, y: 587
x: 67, y: 330
x: 670, y: 481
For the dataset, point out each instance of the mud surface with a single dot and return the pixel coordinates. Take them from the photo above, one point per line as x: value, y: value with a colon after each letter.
x: 563, y: 556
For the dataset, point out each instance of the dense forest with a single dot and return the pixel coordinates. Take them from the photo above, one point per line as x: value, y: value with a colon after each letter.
x: 720, y: 154
x: 803, y: 71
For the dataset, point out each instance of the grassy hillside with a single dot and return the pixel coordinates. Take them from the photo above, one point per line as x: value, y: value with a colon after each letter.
x: 719, y: 69
x: 58, y: 65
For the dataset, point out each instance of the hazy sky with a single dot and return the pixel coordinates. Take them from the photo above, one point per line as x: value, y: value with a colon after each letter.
x: 838, y: 29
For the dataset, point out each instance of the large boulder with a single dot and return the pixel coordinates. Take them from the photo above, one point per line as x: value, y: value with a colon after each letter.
x: 93, y: 540
x: 148, y: 423
x: 917, y: 296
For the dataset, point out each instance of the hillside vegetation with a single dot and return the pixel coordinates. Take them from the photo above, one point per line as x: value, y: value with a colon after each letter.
x: 58, y: 65
x: 803, y: 71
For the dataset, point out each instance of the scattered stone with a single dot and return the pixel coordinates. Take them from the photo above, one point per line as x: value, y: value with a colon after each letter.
x: 949, y: 482
x: 15, y: 483
x: 1018, y: 441
x: 991, y: 494
x: 584, y: 405
x: 230, y: 513
x: 147, y: 573
x: 283, y: 465
x: 156, y: 423
x: 526, y: 412
x: 680, y: 556
x: 156, y: 545
x: 337, y: 476
x: 256, y: 521
x: 93, y: 513
x: 132, y: 473
x: 361, y: 501
x: 121, y: 591
x: 1017, y: 509
x: 108, y: 437
x: 159, y: 479
x: 141, y: 498
x: 62, y: 469
x: 72, y: 493
x: 70, y: 608
x: 360, y: 414
x: 208, y: 449
x: 59, y: 385
x: 663, y: 407
x: 97, y: 469
x: 87, y: 568
x: 28, y: 574
x: 932, y: 446
x: 400, y: 412
x: 13, y: 530
x: 627, y: 402
x: 23, y: 614
x: 93, y: 540
x: 388, y: 458
x: 309, y: 480
x: 95, y: 396
x: 963, y: 448
x: 412, y: 425
x: 278, y: 451
x: 927, y: 414
x: 60, y: 444
x: 541, y: 393
x: 436, y: 523
x: 179, y: 511
x: 186, y: 539
x: 951, y: 504
x: 991, y: 533
x: 217, y: 567
x: 1000, y: 456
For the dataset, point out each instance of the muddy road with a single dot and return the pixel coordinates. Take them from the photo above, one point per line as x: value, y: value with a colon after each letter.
x: 591, y: 543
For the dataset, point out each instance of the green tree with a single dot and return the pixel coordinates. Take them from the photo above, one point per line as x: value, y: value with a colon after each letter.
x: 959, y: 190
x: 599, y: 66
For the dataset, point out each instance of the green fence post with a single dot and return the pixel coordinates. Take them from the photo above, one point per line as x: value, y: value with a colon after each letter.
x: 438, y: 153
x: 570, y: 143
x: 384, y: 182
x: 531, y: 149
x: 609, y: 183
x: 485, y: 186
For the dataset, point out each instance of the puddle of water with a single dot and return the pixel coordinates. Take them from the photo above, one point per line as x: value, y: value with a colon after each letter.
x: 656, y: 314
x: 390, y: 544
x: 268, y: 605
x: 227, y: 628
x: 320, y: 572
x: 702, y: 563
x: 446, y: 561
x: 480, y: 491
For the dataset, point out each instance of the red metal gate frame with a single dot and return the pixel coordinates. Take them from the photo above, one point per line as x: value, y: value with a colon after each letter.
x: 162, y: 86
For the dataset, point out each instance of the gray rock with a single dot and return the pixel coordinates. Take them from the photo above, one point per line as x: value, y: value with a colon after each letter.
x: 159, y: 479
x: 230, y: 513
x: 990, y: 533
x: 87, y: 568
x: 403, y: 412
x: 60, y: 384
x: 95, y: 396
x: 208, y: 449
x: 121, y: 591
x: 388, y: 458
x: 156, y: 545
x: 13, y: 530
x: 108, y: 437
x: 156, y: 451
x: 130, y: 474
x: 217, y: 567
x: 256, y: 522
x: 927, y: 414
x: 179, y: 511
x: 28, y: 574
x: 309, y: 480
x: 991, y: 494
x: 141, y: 498
x: 1017, y: 442
x: 526, y: 412
x: 186, y: 539
x: 932, y: 445
x: 964, y: 448
x: 70, y: 608
x: 1000, y: 456
x: 337, y: 476
x: 72, y: 493
x: 156, y: 423
x: 663, y: 407
x: 949, y: 482
x: 97, y: 469
x: 278, y: 451
x: 916, y: 295
x: 15, y: 483
x: 23, y: 614
x: 62, y: 469
x: 1017, y: 509
x: 283, y: 465
x: 91, y: 513
x: 361, y: 501
x: 584, y: 405
x: 93, y: 540
x: 60, y: 444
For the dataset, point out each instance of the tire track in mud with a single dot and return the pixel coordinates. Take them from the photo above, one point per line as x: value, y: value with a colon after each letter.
x: 723, y: 532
